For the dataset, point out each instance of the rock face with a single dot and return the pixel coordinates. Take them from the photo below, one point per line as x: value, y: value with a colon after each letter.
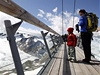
x: 32, y: 46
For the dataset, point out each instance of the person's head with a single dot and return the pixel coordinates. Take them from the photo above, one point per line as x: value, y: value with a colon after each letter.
x: 70, y: 30
x: 82, y: 12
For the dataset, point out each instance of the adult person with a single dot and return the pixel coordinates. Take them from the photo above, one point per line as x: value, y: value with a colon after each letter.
x: 85, y: 36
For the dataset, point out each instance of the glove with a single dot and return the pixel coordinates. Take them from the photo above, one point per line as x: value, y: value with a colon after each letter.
x: 77, y: 28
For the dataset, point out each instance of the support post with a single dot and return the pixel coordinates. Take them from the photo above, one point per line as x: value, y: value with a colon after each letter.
x: 61, y: 40
x: 53, y: 42
x: 11, y: 29
x: 57, y: 41
x: 44, y: 35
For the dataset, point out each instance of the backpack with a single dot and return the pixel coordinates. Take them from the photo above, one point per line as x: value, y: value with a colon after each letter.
x: 92, y: 22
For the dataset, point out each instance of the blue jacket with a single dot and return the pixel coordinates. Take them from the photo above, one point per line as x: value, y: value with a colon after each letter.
x: 83, y: 23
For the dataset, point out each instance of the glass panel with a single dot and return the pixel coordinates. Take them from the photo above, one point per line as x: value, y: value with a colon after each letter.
x: 96, y: 46
x: 50, y: 44
x: 6, y: 60
x: 32, y: 51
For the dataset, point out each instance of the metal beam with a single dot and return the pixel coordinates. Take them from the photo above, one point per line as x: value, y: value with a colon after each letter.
x: 11, y: 29
x: 44, y: 35
x: 11, y: 8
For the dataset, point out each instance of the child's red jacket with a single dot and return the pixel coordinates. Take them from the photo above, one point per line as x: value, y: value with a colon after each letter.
x: 71, y: 40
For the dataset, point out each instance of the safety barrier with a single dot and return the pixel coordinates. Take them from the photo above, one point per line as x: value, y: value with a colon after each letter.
x: 8, y: 6
x: 11, y: 30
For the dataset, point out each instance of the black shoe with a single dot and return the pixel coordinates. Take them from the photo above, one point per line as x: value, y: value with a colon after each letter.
x: 86, y: 61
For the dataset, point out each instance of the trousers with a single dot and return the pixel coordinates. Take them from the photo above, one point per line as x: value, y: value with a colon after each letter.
x: 71, y: 52
x: 86, y: 42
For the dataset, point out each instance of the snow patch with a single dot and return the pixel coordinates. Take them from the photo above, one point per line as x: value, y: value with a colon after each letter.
x: 34, y: 72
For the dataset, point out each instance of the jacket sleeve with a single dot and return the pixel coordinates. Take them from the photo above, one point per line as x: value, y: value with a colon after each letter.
x: 75, y: 40
x: 81, y: 21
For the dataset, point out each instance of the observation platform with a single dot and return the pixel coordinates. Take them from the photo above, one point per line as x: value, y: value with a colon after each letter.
x: 59, y: 64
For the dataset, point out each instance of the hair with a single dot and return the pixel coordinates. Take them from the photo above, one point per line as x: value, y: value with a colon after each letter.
x: 82, y: 11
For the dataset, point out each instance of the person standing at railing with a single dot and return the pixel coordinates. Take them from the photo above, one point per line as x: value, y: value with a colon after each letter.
x: 71, y: 42
x: 85, y: 35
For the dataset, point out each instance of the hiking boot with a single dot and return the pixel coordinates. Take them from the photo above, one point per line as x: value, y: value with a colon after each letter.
x: 86, y: 61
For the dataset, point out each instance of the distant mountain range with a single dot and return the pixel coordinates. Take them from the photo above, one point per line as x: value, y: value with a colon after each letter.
x: 31, y: 49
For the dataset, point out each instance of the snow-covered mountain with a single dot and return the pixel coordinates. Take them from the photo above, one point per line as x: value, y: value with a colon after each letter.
x: 31, y: 49
x: 32, y: 46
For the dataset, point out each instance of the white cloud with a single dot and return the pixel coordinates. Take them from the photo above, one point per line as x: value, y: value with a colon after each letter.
x: 56, y: 20
x: 41, y: 13
x: 48, y: 15
x: 55, y: 10
x: 13, y: 20
x: 67, y: 14
x: 77, y: 11
x: 3, y: 17
x: 29, y: 31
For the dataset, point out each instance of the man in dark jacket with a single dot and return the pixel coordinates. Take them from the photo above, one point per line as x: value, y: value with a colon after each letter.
x: 85, y: 36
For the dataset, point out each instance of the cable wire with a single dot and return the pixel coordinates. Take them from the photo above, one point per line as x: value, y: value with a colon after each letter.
x: 62, y: 17
x: 74, y: 11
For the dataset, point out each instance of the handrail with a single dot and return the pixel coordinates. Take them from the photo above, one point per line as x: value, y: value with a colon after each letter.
x: 11, y: 8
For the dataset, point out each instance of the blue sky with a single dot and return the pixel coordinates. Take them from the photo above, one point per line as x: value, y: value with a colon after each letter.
x: 48, y: 5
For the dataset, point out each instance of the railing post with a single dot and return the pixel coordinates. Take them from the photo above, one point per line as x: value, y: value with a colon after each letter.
x: 53, y: 42
x: 61, y: 40
x: 44, y: 35
x: 57, y: 40
x: 11, y: 29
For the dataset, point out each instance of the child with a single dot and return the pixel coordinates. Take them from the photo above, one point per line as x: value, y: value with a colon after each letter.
x: 71, y: 42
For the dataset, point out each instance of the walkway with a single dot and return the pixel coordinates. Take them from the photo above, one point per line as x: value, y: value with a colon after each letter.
x: 59, y: 64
